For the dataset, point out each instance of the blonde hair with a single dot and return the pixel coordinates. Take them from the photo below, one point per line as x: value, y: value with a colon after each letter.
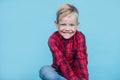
x: 66, y: 9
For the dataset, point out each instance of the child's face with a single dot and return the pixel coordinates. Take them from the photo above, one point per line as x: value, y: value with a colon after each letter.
x: 67, y: 26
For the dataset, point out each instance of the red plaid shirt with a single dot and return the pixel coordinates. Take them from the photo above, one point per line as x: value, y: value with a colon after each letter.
x: 69, y: 55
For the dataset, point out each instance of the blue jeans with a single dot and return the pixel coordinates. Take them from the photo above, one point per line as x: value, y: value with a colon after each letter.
x: 49, y: 73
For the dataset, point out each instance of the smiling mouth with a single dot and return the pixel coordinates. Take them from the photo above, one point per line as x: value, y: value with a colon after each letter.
x: 67, y: 32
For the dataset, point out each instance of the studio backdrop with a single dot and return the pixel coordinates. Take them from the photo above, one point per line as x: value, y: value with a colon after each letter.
x: 25, y: 26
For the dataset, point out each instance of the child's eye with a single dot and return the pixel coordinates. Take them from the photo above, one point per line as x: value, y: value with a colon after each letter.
x: 62, y: 24
x: 72, y: 24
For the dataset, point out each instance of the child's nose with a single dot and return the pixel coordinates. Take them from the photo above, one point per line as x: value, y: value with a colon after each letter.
x: 67, y: 27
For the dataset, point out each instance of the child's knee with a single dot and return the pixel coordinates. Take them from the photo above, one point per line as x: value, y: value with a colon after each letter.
x: 44, y: 69
x: 47, y: 72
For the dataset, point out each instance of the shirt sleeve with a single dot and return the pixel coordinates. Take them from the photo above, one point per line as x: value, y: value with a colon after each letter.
x: 81, y: 60
x: 60, y: 60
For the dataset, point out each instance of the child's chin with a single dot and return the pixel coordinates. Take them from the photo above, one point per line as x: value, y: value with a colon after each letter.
x: 66, y: 37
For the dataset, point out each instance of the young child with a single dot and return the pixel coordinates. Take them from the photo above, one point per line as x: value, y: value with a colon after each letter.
x: 68, y: 48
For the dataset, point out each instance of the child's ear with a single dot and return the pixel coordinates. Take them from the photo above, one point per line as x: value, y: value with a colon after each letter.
x: 78, y: 24
x: 56, y: 24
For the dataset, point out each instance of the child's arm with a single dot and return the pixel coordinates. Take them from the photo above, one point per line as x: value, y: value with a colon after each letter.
x: 81, y: 60
x: 61, y: 62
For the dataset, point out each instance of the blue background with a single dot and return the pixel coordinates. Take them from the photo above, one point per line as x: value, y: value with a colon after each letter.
x: 25, y: 26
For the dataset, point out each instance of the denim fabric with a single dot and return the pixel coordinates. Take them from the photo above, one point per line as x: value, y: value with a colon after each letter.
x: 49, y: 73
